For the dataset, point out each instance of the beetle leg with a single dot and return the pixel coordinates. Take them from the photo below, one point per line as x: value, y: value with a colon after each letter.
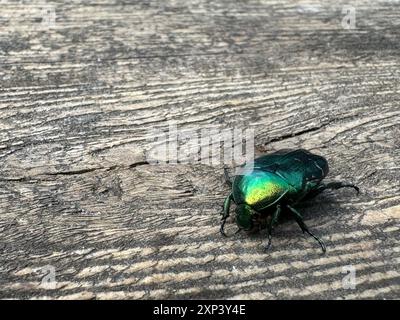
x: 271, y: 224
x: 227, y: 178
x: 332, y: 186
x: 225, y: 215
x: 304, y: 228
x: 269, y: 233
x: 338, y: 185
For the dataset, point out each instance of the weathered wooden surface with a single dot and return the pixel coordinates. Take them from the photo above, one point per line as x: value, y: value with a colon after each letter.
x: 76, y: 102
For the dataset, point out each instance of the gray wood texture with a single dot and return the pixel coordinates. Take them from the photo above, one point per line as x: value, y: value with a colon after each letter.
x: 78, y: 99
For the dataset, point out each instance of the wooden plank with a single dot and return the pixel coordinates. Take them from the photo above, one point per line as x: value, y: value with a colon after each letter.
x: 79, y: 100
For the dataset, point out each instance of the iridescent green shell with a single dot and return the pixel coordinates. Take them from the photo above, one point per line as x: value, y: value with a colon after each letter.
x: 285, y: 175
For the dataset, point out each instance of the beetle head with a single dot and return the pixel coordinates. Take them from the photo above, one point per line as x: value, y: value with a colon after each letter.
x: 244, y: 216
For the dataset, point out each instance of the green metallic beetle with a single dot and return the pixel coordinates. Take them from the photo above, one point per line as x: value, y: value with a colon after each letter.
x: 277, y: 182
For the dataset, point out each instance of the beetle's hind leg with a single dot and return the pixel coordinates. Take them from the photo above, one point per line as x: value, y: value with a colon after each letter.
x: 304, y: 228
x: 338, y: 185
x: 333, y: 186
x: 271, y: 224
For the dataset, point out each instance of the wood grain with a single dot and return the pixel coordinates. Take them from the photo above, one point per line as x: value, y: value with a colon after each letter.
x: 78, y: 101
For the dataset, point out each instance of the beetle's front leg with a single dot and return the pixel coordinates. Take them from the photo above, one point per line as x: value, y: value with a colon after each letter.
x: 271, y: 224
x: 225, y: 214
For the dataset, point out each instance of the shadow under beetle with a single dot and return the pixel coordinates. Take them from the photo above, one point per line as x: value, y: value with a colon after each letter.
x: 275, y: 182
